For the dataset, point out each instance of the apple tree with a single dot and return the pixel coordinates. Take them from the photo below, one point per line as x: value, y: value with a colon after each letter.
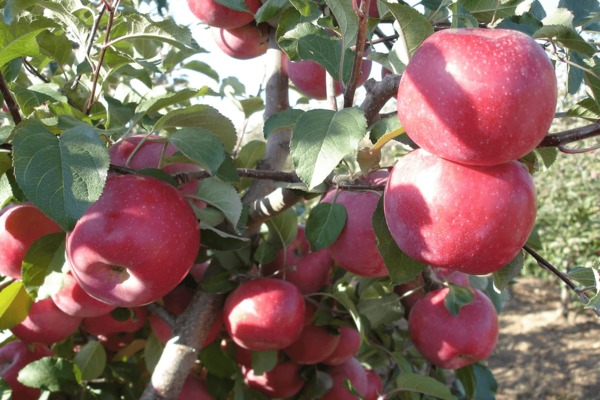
x: 358, y: 245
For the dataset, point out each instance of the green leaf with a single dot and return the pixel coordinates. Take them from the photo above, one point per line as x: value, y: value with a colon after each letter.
x: 251, y: 154
x: 217, y: 361
x: 401, y: 268
x: 222, y: 196
x: 201, y: 116
x: 458, y: 297
x: 322, y: 138
x: 270, y: 9
x: 239, y: 5
x: 14, y: 305
x: 139, y: 26
x: 587, y: 108
x: 581, y: 10
x: 505, y: 275
x: 203, y: 68
x: 22, y: 46
x: 548, y: 155
x: 585, y: 276
x: 490, y: 10
x: 305, y: 7
x: 46, y: 255
x: 384, y: 309
x: 324, y: 224
x: 54, y: 374
x: 566, y: 36
x: 342, y: 296
x: 152, y: 352
x: 91, y: 360
x: 423, y: 384
x: 61, y: 177
x: 200, y: 146
x: 264, y: 361
x: 346, y: 19
x: 153, y: 104
x: 468, y: 380
x: 283, y: 120
x: 486, y: 382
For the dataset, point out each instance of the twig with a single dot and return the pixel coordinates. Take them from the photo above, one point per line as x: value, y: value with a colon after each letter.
x: 34, y: 71
x: 362, y: 13
x: 378, y: 94
x: 12, y: 105
x: 386, y: 40
x: 563, y: 138
x: 168, y: 317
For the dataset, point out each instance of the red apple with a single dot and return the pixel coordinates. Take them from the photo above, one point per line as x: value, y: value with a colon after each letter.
x: 75, y: 301
x: 350, y: 370
x: 348, y: 346
x: 297, y: 265
x: 356, y: 248
x: 472, y: 219
x: 108, y: 323
x: 116, y: 341
x: 264, y: 314
x: 309, y: 77
x: 375, y: 385
x: 136, y: 243
x: 478, y: 96
x: 194, y: 389
x: 20, y: 226
x: 14, y: 356
x: 283, y: 381
x: 453, y: 341
x: 313, y: 346
x: 449, y: 275
x: 214, y: 14
x: 244, y: 42
x: 46, y: 323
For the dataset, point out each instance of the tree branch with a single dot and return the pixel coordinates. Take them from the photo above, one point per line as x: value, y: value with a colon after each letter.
x: 12, y: 105
x: 378, y: 94
x: 362, y: 13
x: 561, y: 139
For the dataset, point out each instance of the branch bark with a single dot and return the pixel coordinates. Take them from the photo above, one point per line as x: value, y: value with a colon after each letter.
x: 12, y: 105
x: 563, y: 138
x: 362, y: 13
x: 378, y: 94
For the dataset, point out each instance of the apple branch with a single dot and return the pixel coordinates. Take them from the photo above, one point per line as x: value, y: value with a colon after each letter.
x: 162, y: 313
x: 362, y: 13
x: 12, y: 105
x: 378, y: 94
x: 561, y: 139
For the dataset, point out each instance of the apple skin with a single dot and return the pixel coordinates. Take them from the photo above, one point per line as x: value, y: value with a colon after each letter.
x: 307, y: 270
x: 245, y: 42
x: 214, y: 14
x: 46, y: 323
x: 453, y: 341
x: 20, y: 226
x: 107, y: 324
x: 14, y: 356
x: 313, y: 346
x: 309, y: 77
x: 348, y: 346
x: 351, y: 370
x: 375, y: 385
x: 283, y: 381
x: 264, y: 314
x: 75, y: 301
x: 478, y: 96
x: 355, y: 249
x: 136, y: 243
x: 473, y: 219
x: 116, y: 341
x: 194, y: 389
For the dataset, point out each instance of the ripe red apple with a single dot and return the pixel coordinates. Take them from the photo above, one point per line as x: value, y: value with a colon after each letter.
x: 478, y: 96
x: 313, y: 346
x: 214, y: 14
x: 350, y: 370
x: 297, y: 265
x: 264, y: 314
x: 309, y: 77
x: 453, y: 341
x: 375, y: 385
x: 356, y: 248
x: 194, y: 389
x: 14, y: 356
x: 75, y: 301
x: 108, y: 323
x: 244, y: 42
x: 283, y: 381
x: 46, y: 323
x: 347, y: 347
x: 473, y: 219
x: 136, y: 243
x: 116, y: 341
x: 20, y: 226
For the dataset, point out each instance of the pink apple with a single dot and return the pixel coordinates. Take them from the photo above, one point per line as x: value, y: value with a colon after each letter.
x: 244, y: 42
x: 194, y: 388
x: 453, y: 341
x: 356, y: 248
x: 46, y: 323
x: 350, y: 370
x: 20, y: 226
x: 348, y: 347
x: 314, y: 345
x: 14, y: 356
x: 478, y: 96
x: 375, y: 385
x: 283, y: 381
x: 264, y: 314
x: 473, y: 219
x: 116, y: 341
x: 296, y: 264
x: 214, y: 14
x: 75, y: 301
x: 109, y: 323
x: 309, y: 77
x: 136, y: 243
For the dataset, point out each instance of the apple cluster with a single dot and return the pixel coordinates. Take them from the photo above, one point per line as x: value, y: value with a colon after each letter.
x: 474, y: 101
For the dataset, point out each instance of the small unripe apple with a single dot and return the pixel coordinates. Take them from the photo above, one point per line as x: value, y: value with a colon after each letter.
x: 14, y: 356
x: 20, y: 226
x: 75, y: 301
x: 313, y: 346
x: 129, y: 321
x: 348, y: 346
x: 244, y: 42
x: 350, y: 370
x: 453, y: 341
x: 355, y: 249
x: 473, y: 219
x: 478, y: 96
x: 46, y: 323
x: 264, y: 314
x: 214, y: 14
x: 136, y: 243
x: 283, y: 381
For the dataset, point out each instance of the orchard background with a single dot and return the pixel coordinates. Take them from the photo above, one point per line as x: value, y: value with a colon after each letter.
x: 78, y: 76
